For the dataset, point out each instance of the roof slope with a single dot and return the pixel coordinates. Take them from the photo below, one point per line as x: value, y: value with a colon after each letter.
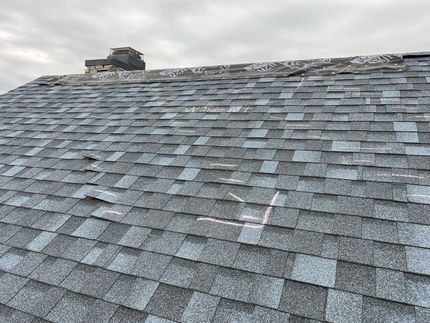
x: 250, y: 198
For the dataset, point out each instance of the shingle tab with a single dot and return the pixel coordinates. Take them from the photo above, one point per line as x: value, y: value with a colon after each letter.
x: 303, y: 299
x: 201, y: 308
x: 53, y: 270
x: 186, y: 273
x: 75, y: 308
x: 219, y: 252
x: 307, y: 156
x: 418, y: 194
x: 405, y: 126
x: 169, y: 301
x: 10, y: 285
x: 375, y: 310
x: 261, y: 260
x: 132, y: 292
x: 343, y: 306
x: 150, y: 265
x: 390, y: 285
x: 37, y: 298
x: 417, y: 288
x: 89, y: 280
x: 418, y: 260
x: 357, y: 250
x: 233, y: 311
x: 247, y: 287
x: 314, y: 270
x: 356, y: 278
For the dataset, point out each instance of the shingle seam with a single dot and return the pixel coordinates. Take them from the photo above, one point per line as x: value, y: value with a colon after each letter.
x: 222, y: 266
x: 250, y: 204
x: 289, y: 124
x: 194, y: 290
x: 330, y: 152
x: 267, y: 225
x: 403, y: 178
x: 411, y: 181
x: 15, y: 309
x: 117, y: 304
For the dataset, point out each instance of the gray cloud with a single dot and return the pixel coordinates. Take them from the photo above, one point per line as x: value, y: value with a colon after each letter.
x: 56, y: 36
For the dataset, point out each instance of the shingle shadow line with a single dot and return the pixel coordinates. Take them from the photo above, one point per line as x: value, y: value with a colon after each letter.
x: 221, y: 266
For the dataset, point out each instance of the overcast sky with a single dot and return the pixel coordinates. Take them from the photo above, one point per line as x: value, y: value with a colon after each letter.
x: 56, y: 36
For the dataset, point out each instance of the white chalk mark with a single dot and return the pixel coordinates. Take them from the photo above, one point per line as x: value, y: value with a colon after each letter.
x: 347, y: 89
x: 189, y: 131
x: 300, y: 83
x: 230, y: 180
x: 113, y: 212
x: 406, y: 108
x: 223, y: 165
x: 379, y: 148
x: 105, y: 192
x: 236, y: 197
x: 418, y: 117
x: 297, y: 125
x: 362, y: 160
x: 96, y: 166
x: 411, y: 176
x: 269, y: 209
x: 249, y: 217
x: 276, y: 118
x: 399, y: 175
x: 246, y: 225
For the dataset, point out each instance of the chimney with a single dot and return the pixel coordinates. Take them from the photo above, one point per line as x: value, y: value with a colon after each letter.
x: 119, y: 59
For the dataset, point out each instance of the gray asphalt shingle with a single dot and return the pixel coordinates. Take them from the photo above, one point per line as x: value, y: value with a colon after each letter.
x: 9, y: 285
x: 343, y: 306
x: 36, y: 298
x: 247, y: 287
x: 76, y: 307
x: 169, y: 302
x: 314, y: 270
x: 304, y: 299
x: 131, y: 291
x: 252, y: 196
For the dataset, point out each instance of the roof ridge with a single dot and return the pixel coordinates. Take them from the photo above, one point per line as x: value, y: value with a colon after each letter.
x: 321, y: 66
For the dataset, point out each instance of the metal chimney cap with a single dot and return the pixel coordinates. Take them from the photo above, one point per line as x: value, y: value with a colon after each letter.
x: 124, y: 50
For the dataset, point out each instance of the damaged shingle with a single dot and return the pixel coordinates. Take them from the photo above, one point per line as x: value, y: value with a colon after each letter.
x: 218, y: 195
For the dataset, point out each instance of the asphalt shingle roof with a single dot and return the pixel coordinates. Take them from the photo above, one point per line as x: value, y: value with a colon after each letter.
x: 251, y: 198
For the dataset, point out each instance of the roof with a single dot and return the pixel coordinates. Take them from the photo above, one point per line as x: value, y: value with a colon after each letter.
x: 259, y: 196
